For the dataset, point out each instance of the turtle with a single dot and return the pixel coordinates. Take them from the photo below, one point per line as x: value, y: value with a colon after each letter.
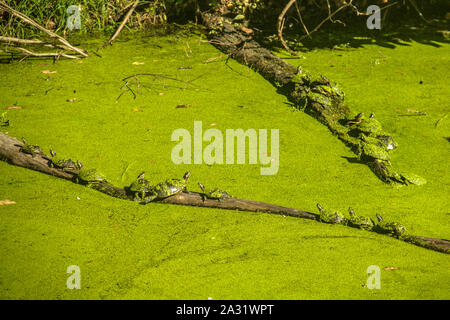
x: 356, y: 120
x: 61, y: 163
x: 360, y: 222
x: 329, y: 217
x: 140, y: 186
x: 393, y: 228
x: 30, y: 149
x: 214, y: 193
x: 89, y: 176
x: 167, y: 188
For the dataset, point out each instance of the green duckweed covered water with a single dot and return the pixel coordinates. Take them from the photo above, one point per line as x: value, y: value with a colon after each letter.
x: 129, y: 251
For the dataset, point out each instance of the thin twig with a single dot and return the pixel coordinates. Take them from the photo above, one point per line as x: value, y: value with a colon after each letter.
x: 34, y: 42
x: 328, y: 18
x: 125, y: 20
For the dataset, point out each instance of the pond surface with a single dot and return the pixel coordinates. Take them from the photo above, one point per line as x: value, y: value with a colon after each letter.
x: 129, y: 251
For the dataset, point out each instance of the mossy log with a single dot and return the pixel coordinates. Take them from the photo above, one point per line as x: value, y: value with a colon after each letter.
x: 318, y: 96
x: 10, y: 151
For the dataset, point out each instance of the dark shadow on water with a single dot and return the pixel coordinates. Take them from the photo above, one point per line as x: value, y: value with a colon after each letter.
x: 353, y: 160
x: 355, y: 35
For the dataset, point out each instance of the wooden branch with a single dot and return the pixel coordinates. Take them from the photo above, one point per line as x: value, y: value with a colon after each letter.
x: 5, y: 7
x: 281, y: 25
x: 10, y: 152
x: 34, y: 42
x: 301, y: 19
x: 46, y: 54
x: 125, y: 20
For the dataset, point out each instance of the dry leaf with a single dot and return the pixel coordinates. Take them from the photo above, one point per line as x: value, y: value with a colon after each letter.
x: 137, y: 110
x: 155, y: 60
x: 6, y: 201
x: 213, y: 124
x: 138, y: 63
x: 71, y: 100
x: 183, y: 106
x: 48, y: 72
x: 390, y: 268
x: 161, y: 93
x: 247, y: 30
x: 14, y: 107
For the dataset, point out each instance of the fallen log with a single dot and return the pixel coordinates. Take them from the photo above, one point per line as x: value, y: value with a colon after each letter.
x: 10, y: 151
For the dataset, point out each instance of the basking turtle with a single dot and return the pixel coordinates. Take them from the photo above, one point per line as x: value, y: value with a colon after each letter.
x: 140, y: 186
x: 89, y: 176
x: 167, y: 188
x: 214, y: 193
x: 30, y: 149
x: 3, y: 119
x: 360, y: 222
x: 331, y: 217
x: 393, y: 228
x: 357, y: 120
x: 61, y: 163
x: 411, y: 178
x: 369, y: 151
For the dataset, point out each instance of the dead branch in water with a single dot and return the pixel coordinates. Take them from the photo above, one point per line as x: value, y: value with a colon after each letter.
x: 5, y: 7
x: 125, y: 20
x: 10, y: 152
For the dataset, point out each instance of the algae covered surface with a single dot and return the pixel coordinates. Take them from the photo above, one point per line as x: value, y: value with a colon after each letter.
x: 157, y: 251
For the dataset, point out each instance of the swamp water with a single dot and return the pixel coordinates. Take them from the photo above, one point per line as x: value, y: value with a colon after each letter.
x: 128, y: 251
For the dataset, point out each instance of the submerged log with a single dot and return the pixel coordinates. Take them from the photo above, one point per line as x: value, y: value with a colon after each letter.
x: 10, y: 151
x: 317, y: 96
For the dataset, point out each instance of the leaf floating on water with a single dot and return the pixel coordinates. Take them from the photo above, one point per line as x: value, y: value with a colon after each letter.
x: 138, y: 63
x: 390, y: 268
x: 6, y: 201
x: 48, y: 72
